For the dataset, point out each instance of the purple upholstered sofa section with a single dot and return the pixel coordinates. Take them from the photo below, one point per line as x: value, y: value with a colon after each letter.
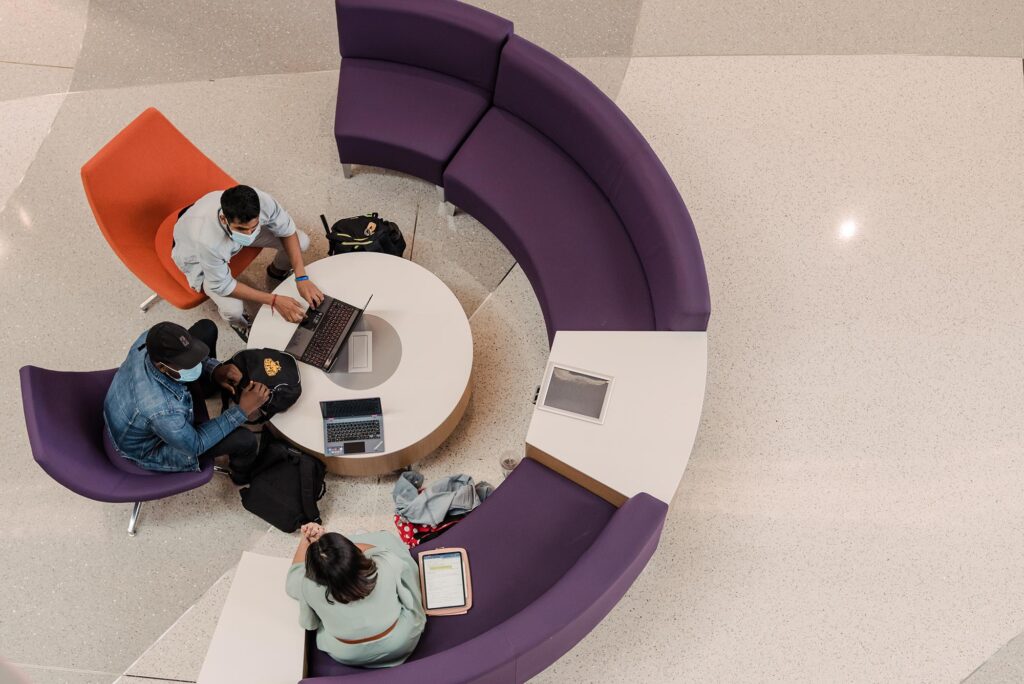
x: 555, y: 221
x: 445, y: 36
x: 549, y: 560
x: 403, y: 118
x: 64, y: 417
x: 415, y: 78
x: 538, y: 88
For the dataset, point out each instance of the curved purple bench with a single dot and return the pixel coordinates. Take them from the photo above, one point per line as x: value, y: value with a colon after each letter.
x: 562, y: 177
x: 605, y: 239
x: 415, y: 78
x: 549, y: 560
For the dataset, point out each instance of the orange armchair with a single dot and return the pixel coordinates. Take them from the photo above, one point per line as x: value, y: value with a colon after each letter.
x: 136, y: 185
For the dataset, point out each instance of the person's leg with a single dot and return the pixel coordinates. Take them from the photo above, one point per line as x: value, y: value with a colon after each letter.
x: 242, y: 448
x: 281, y: 263
x: 233, y: 311
x: 230, y: 309
x: 205, y: 331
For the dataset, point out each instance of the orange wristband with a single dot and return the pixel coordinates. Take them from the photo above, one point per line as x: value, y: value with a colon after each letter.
x: 273, y: 303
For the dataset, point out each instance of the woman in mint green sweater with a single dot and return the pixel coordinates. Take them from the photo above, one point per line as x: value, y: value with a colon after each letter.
x: 361, y: 595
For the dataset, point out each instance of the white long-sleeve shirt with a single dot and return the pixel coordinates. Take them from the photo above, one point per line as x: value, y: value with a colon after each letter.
x: 202, y: 247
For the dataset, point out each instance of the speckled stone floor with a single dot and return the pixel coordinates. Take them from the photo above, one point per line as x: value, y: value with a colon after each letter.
x: 851, y: 510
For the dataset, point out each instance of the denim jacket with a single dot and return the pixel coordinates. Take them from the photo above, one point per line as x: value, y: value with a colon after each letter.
x: 149, y: 416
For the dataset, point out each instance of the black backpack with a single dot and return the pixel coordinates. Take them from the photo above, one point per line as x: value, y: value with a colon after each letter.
x: 286, y: 486
x: 366, y: 233
x: 274, y: 369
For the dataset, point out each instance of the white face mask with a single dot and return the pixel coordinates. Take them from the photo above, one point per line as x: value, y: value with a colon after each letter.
x: 241, y: 238
x: 244, y: 239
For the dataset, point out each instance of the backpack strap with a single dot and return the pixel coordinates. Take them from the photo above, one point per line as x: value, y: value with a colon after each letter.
x: 310, y: 493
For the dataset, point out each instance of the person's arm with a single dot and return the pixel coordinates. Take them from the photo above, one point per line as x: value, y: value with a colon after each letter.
x: 283, y: 226
x: 309, y: 533
x: 217, y: 276
x: 174, y: 428
x: 288, y: 307
x: 307, y: 288
x: 300, y: 552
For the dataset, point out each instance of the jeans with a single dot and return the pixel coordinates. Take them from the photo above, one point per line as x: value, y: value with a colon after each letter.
x: 241, y: 446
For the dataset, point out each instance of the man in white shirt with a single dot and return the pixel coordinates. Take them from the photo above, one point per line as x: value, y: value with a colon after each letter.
x: 217, y: 227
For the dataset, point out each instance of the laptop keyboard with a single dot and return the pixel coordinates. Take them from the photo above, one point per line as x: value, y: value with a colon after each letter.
x: 327, y: 334
x: 356, y: 430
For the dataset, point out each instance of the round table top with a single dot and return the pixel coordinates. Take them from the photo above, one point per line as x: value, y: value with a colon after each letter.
x: 422, y: 359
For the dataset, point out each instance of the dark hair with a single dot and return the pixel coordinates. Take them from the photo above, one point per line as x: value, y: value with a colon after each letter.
x: 240, y: 203
x: 339, y: 565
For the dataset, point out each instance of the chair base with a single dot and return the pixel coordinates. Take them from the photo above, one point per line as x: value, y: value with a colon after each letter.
x: 132, y: 521
x: 148, y: 304
x: 346, y: 170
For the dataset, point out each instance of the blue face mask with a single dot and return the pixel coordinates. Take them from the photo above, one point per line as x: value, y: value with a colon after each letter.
x: 243, y: 239
x: 190, y: 374
x: 240, y: 238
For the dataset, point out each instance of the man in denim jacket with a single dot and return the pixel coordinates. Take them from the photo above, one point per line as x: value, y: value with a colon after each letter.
x: 149, y: 412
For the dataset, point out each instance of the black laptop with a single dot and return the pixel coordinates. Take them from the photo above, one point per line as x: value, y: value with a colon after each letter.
x: 323, y: 331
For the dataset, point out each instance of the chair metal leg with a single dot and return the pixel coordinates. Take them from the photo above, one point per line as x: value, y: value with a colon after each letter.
x: 346, y: 170
x: 134, y: 519
x: 440, y: 193
x: 153, y: 299
x: 449, y: 209
x: 221, y: 469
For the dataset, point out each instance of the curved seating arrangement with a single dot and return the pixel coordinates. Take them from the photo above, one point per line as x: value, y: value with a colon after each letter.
x: 562, y: 177
x: 64, y: 417
x: 136, y: 184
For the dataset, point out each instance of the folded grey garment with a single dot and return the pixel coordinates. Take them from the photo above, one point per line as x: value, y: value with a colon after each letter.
x: 451, y: 495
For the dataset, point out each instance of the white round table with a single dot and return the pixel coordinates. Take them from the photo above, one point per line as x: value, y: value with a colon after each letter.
x: 422, y: 351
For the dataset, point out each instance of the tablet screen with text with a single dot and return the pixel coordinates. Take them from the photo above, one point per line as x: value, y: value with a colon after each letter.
x: 443, y: 580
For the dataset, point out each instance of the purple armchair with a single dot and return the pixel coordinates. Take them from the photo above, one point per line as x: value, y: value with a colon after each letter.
x: 415, y: 78
x: 64, y: 417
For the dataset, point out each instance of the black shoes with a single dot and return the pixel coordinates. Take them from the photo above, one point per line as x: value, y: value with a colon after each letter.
x: 275, y: 274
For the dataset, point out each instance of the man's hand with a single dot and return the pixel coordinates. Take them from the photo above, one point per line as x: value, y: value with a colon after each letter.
x: 310, y: 292
x: 253, y: 396
x: 227, y: 376
x: 289, y: 308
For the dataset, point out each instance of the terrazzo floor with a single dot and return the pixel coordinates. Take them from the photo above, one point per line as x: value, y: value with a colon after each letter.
x: 852, y: 508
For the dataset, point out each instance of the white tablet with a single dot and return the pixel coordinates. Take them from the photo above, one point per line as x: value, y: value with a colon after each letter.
x: 445, y: 582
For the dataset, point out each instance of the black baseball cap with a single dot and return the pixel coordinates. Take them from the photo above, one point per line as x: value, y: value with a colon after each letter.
x: 171, y: 344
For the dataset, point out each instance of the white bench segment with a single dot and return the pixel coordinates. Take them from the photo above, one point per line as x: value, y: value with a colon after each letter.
x: 651, y: 419
x: 258, y: 639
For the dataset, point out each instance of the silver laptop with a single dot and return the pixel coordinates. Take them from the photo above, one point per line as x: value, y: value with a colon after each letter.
x: 352, y: 426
